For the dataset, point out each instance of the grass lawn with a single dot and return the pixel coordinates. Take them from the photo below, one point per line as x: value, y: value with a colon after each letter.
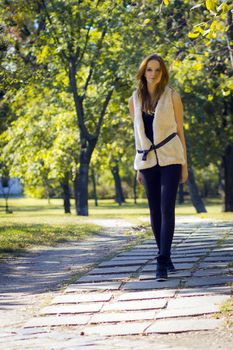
x: 35, y: 222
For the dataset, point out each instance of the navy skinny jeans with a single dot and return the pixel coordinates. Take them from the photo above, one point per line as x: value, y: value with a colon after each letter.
x: 161, y: 185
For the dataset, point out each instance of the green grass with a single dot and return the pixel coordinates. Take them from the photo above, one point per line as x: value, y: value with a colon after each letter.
x: 226, y: 311
x: 18, y: 237
x: 35, y: 222
x: 39, y: 208
x: 227, y: 305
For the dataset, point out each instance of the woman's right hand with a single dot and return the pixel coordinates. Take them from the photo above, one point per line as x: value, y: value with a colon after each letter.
x: 139, y: 177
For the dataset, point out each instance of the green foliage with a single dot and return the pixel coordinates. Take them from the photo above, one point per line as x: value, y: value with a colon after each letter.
x: 95, y: 38
x: 16, y: 238
x: 42, y: 143
x: 208, y: 181
x: 104, y: 42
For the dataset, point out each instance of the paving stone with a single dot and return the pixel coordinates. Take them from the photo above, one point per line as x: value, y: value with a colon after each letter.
x: 222, y: 253
x: 192, y: 311
x: 180, y: 260
x: 117, y: 329
x: 71, y: 309
x: 201, y: 247
x: 138, y: 255
x: 149, y: 276
x: 138, y: 285
x: 198, y: 238
x: 125, y: 262
x: 48, y: 321
x: 202, y: 237
x: 178, y: 266
x: 219, y: 258
x: 201, y: 244
x: 213, y: 264
x: 187, y: 254
x: 112, y: 270
x: 149, y: 241
x: 123, y: 316
x: 209, y: 272
x: 191, y: 249
x: 140, y: 251
x: 197, y: 301
x: 102, y: 278
x: 28, y: 333
x: 81, y: 298
x: 164, y: 293
x: 187, y: 292
x: 204, y: 243
x: 124, y: 258
x: 188, y: 247
x: 148, y: 246
x: 203, y: 281
x: 177, y: 326
x: 135, y: 305
x: 184, y: 259
x: 93, y: 286
x: 224, y: 249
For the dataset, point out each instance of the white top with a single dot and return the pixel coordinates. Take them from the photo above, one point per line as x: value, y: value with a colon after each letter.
x: 164, y: 124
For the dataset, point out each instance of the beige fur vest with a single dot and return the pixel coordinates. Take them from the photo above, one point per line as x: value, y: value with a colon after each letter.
x: 164, y: 124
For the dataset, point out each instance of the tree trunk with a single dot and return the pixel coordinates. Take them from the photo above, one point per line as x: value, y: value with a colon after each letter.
x: 82, y: 188
x: 5, y: 180
x: 229, y: 34
x: 192, y: 186
x: 194, y: 193
x: 135, y: 188
x: 87, y: 141
x: 47, y: 189
x: 221, y: 184
x: 181, y: 194
x: 206, y: 189
x: 227, y: 164
x: 227, y: 161
x: 94, y: 186
x: 118, y: 188
x: 81, y: 181
x: 75, y: 186
x: 66, y: 193
x: 6, y: 205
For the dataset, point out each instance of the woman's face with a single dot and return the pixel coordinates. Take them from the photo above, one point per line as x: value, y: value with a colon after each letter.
x: 153, y: 72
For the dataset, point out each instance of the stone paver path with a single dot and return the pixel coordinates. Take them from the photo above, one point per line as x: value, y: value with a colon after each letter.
x: 29, y: 281
x: 120, y: 296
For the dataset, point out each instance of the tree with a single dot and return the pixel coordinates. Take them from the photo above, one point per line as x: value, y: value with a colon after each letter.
x: 82, y: 57
x: 216, y: 33
x: 203, y: 67
x: 40, y: 146
x: 77, y: 41
x: 6, y: 187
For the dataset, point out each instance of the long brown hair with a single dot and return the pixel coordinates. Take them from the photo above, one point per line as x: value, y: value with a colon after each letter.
x: 148, y: 104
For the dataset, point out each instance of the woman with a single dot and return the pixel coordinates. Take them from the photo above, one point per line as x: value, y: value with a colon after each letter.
x: 160, y: 160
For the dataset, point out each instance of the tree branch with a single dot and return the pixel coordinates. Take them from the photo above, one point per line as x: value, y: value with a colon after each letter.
x: 229, y: 34
x: 78, y: 100
x: 92, y: 64
x: 87, y: 36
x: 104, y: 107
x: 55, y: 37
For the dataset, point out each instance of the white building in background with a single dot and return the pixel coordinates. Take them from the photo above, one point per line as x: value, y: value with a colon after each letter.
x: 14, y: 188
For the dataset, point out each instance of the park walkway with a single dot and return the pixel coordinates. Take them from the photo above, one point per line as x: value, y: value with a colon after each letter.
x: 32, y: 279
x: 120, y: 297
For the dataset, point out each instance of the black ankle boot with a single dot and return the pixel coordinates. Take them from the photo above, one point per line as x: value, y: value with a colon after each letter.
x: 161, y: 272
x: 170, y: 267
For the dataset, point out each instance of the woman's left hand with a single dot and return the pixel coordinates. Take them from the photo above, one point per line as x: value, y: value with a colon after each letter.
x: 184, y: 174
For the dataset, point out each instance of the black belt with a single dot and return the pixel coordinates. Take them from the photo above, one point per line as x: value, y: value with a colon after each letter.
x: 160, y: 144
